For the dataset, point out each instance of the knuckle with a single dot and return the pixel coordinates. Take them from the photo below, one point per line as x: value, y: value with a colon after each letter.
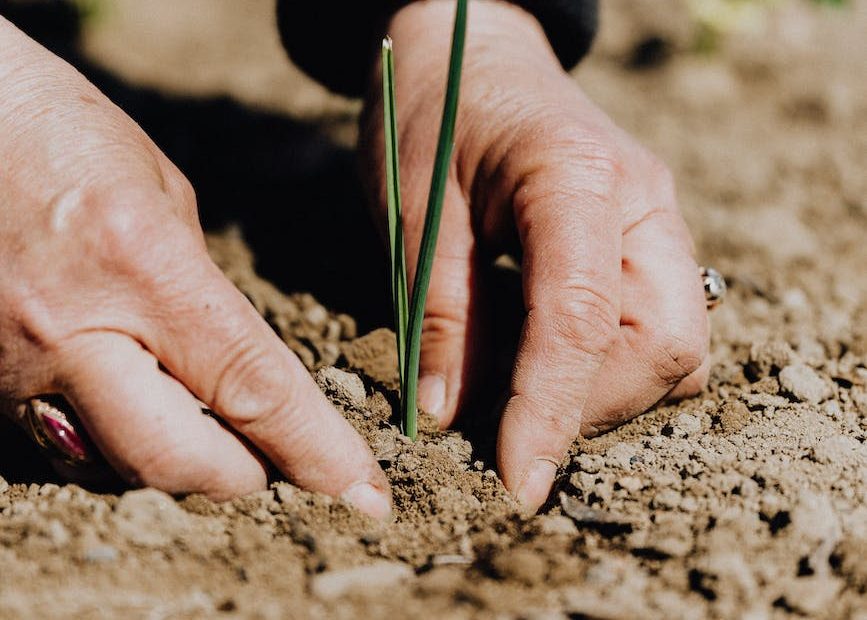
x: 440, y: 332
x: 27, y: 315
x: 121, y: 225
x: 599, y: 154
x: 254, y: 386
x: 596, y: 163
x: 603, y: 162
x: 443, y: 324
x: 586, y: 320
x: 179, y: 187
x: 663, y: 181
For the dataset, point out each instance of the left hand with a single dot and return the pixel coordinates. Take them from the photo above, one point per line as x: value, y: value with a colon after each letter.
x: 615, y: 311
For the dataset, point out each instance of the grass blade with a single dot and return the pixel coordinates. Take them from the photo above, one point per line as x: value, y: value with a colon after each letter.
x: 445, y: 146
x: 395, y: 214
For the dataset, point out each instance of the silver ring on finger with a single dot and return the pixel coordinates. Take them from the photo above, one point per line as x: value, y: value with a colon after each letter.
x: 714, y: 286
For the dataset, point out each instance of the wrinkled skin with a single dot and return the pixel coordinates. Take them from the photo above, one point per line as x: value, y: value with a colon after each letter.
x: 615, y: 311
x: 105, y: 274
x: 108, y: 297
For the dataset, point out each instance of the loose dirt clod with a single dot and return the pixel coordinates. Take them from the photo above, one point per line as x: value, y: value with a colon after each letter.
x: 343, y: 387
x: 803, y: 383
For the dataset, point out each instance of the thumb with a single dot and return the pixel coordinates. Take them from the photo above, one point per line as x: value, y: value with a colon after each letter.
x: 450, y: 338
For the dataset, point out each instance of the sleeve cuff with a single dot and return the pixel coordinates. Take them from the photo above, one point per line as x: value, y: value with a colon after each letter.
x: 336, y: 42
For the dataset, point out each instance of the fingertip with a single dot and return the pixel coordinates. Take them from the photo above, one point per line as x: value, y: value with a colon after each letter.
x: 529, y: 450
x: 432, y: 396
x: 536, y: 483
x: 369, y: 499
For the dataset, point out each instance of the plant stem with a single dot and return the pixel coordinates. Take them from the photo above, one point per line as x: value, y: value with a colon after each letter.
x: 442, y: 162
x: 395, y: 212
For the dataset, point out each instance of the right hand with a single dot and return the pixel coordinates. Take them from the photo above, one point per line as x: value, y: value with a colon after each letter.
x: 108, y: 297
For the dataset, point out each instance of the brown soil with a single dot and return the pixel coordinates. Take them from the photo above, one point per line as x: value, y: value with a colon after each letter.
x: 747, y: 502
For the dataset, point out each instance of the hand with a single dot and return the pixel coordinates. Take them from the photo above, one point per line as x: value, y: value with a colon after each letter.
x: 108, y: 297
x: 615, y: 312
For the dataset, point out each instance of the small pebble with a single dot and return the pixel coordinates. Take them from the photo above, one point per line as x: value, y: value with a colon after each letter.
x: 100, y: 554
x: 55, y: 532
x: 343, y: 386
x: 620, y: 455
x: 630, y: 483
x: 451, y: 560
x: 370, y: 578
x: 811, y: 596
x: 765, y: 357
x: 332, y: 330
x: 688, y: 423
x: 329, y: 352
x: 591, y: 463
x: 285, y: 492
x: 556, y: 525
x: 667, y: 499
x: 348, y: 329
x: 149, y: 518
x: 840, y: 449
x: 316, y: 316
x: 804, y: 383
x: 674, y: 546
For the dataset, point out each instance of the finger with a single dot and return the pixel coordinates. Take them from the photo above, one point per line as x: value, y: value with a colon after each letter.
x: 148, y: 426
x: 664, y: 329
x: 213, y: 341
x: 571, y: 239
x: 451, y: 334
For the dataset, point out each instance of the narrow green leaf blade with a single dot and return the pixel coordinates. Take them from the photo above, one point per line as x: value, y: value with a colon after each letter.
x: 395, y: 215
x: 445, y: 147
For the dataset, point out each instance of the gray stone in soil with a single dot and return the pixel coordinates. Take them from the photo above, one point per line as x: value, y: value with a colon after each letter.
x: 688, y: 424
x: 345, y: 387
x: 150, y: 518
x: 804, y: 383
x: 369, y: 578
x: 100, y: 554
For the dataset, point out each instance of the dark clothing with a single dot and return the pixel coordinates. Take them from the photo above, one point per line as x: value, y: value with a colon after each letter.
x: 336, y: 42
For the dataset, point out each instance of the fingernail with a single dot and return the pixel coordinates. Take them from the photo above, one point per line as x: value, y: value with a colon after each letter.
x: 368, y: 499
x: 536, y: 485
x: 432, y: 394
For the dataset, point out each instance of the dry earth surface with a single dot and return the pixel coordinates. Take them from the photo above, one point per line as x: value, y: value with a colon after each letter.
x: 746, y: 502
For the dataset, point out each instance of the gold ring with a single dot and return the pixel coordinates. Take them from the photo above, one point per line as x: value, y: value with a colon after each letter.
x: 50, y: 423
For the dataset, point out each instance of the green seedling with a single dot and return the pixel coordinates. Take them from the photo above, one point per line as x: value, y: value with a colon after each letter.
x: 408, y: 314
